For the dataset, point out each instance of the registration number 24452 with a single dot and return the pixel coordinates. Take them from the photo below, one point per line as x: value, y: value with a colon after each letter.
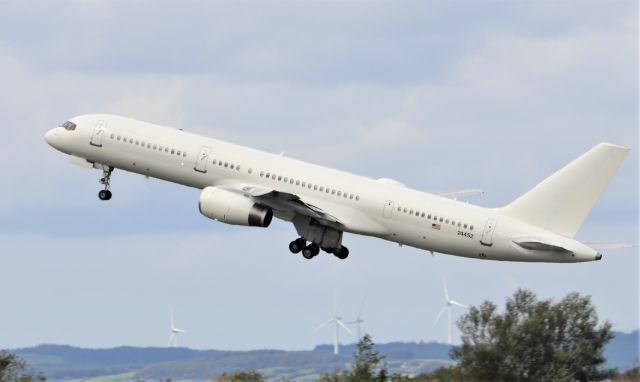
x: 465, y: 234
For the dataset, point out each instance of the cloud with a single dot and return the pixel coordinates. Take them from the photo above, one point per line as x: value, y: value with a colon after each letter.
x: 437, y: 95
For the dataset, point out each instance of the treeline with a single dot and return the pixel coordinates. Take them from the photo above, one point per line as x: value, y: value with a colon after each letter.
x: 530, y: 340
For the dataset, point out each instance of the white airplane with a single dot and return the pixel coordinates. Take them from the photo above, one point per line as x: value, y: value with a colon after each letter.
x: 247, y: 187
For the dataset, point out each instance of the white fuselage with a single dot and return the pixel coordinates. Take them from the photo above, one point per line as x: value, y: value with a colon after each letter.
x: 363, y: 205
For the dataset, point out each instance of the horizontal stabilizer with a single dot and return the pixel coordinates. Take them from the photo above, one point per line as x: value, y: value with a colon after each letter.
x: 609, y: 245
x: 561, y: 202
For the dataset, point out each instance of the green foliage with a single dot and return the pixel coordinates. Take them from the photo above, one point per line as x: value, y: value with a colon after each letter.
x: 631, y: 375
x: 241, y: 376
x: 365, y: 368
x: 15, y: 369
x: 533, y: 340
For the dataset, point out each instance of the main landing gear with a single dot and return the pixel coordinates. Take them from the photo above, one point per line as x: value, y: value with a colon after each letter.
x: 312, y: 250
x: 106, y: 181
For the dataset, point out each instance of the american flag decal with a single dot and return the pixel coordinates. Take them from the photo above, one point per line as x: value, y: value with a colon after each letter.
x: 436, y: 226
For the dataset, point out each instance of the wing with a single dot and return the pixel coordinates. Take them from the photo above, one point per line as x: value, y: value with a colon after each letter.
x: 458, y: 194
x: 286, y: 202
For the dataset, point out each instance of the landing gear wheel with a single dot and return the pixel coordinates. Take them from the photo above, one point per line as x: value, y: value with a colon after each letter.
x: 104, y: 194
x: 297, y: 245
x: 106, y: 181
x: 310, y: 251
x: 341, y: 253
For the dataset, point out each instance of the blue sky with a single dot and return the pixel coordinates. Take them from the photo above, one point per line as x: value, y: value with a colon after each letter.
x: 439, y: 95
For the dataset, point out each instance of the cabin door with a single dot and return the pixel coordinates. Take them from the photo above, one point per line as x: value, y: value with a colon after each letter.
x: 388, y: 209
x: 203, y: 159
x: 98, y: 133
x: 487, y: 234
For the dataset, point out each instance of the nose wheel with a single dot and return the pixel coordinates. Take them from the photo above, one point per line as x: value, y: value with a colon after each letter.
x: 104, y: 194
x: 106, y: 181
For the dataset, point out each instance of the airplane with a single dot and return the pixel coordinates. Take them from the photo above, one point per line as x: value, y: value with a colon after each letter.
x: 247, y: 187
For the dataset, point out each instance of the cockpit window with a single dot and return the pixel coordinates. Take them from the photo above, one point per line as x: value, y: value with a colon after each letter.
x: 70, y: 126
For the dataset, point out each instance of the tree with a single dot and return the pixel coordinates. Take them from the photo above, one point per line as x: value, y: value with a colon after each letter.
x: 533, y: 340
x: 365, y: 367
x: 15, y: 369
x: 241, y: 376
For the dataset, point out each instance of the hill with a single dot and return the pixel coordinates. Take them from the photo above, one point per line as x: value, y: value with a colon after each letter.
x: 66, y: 363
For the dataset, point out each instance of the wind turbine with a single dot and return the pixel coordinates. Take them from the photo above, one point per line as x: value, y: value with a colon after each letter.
x: 447, y: 307
x: 337, y: 322
x: 175, y: 332
x: 358, y: 321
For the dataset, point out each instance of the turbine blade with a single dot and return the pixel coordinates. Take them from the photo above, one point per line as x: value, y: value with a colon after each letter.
x: 444, y: 287
x: 439, y: 315
x: 322, y: 326
x: 458, y: 304
x: 344, y: 326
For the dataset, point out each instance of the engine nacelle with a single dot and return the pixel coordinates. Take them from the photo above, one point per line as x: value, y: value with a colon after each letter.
x: 231, y: 208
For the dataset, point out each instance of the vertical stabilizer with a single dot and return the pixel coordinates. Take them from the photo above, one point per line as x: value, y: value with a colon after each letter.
x: 561, y: 202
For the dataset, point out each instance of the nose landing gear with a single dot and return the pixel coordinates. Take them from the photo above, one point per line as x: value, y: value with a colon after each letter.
x: 106, y: 181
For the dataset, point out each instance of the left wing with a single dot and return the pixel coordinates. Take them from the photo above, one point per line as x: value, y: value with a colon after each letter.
x: 288, y: 202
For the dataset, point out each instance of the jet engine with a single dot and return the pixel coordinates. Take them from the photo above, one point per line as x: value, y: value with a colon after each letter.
x: 232, y: 208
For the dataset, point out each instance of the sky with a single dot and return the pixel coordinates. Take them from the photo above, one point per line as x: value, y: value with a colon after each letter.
x: 439, y: 95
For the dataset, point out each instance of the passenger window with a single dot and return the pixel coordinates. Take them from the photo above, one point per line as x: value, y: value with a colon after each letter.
x: 124, y: 139
x: 231, y: 166
x: 333, y: 192
x: 184, y: 154
x: 286, y: 179
x: 273, y: 176
x: 422, y: 215
x: 291, y: 181
x: 429, y: 216
x: 465, y: 226
x: 357, y: 197
x: 309, y: 185
x: 249, y: 171
x: 327, y: 190
x: 261, y: 173
x: 321, y: 189
x: 350, y: 196
x: 118, y: 138
x: 339, y: 193
x: 459, y: 224
x: 315, y: 187
x: 404, y: 210
x: 237, y: 168
x: 410, y: 212
x: 280, y: 178
x: 166, y: 150
x: 178, y: 152
x: 112, y: 136
x: 297, y: 182
x: 471, y: 227
x: 226, y: 164
x: 137, y: 142
x: 441, y: 219
x: 304, y: 184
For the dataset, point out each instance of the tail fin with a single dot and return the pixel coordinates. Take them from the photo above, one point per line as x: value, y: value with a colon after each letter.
x: 561, y: 202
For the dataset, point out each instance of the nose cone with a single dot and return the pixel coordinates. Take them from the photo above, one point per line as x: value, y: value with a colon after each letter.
x: 53, y: 137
